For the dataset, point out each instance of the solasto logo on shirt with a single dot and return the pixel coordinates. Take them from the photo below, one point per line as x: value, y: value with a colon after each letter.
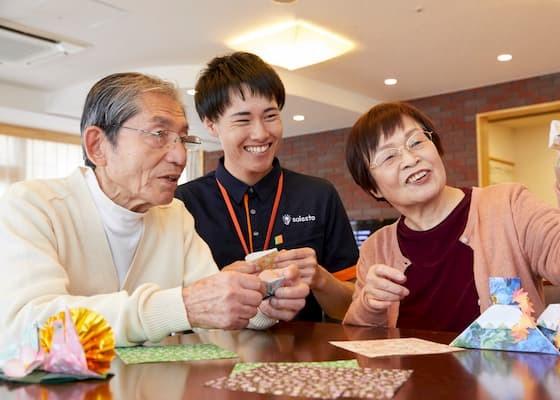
x: 287, y: 219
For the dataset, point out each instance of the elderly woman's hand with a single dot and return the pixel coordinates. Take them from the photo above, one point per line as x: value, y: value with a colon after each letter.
x: 383, y: 287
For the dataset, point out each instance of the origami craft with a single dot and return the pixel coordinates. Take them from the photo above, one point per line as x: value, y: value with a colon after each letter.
x: 264, y: 259
x: 509, y: 323
x: 75, y: 343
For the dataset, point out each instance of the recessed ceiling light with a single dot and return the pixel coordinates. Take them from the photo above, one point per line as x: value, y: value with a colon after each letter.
x: 299, y: 117
x: 505, y: 57
x: 191, y: 92
x: 293, y: 44
x: 390, y: 81
x: 283, y: 1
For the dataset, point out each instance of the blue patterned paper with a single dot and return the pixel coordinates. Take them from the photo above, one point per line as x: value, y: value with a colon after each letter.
x: 502, y: 289
x: 476, y: 337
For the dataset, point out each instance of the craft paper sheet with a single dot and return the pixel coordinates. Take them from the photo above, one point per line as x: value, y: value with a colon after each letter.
x: 240, y: 367
x: 394, y: 347
x: 182, y: 352
x: 313, y: 382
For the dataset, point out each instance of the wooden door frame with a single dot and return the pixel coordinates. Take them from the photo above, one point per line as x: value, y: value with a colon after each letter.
x: 484, y: 119
x: 40, y: 134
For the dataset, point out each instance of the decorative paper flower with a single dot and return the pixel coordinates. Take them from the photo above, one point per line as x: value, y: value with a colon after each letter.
x: 63, y: 336
x: 557, y: 340
x: 520, y: 331
x: 521, y: 297
x: 73, y: 342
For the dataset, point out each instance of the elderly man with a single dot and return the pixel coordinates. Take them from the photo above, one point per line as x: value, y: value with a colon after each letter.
x: 111, y: 238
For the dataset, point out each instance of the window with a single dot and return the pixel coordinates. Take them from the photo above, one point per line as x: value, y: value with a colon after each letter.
x: 28, y: 153
x: 194, y: 167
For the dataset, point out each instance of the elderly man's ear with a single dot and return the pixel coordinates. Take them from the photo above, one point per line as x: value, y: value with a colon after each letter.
x: 95, y: 143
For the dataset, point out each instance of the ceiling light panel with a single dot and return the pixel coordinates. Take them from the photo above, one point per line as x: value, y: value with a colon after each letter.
x: 293, y: 44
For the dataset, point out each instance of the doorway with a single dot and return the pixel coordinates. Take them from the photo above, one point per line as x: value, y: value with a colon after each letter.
x: 512, y: 146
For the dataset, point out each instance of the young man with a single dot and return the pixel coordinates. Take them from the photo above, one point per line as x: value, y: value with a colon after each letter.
x: 250, y: 203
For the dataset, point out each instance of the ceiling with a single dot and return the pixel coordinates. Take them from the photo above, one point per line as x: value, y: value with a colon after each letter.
x: 430, y: 46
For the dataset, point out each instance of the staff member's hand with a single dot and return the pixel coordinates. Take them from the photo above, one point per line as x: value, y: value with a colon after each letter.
x: 226, y: 300
x: 383, y: 287
x: 288, y: 299
x: 243, y: 267
x: 305, y: 259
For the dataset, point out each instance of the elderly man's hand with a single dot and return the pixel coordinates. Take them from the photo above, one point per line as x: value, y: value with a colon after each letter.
x: 226, y: 300
x: 305, y: 259
x: 288, y: 299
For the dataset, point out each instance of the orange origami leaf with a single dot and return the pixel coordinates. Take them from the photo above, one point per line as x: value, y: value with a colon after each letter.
x: 521, y: 297
x: 557, y: 340
x: 520, y: 331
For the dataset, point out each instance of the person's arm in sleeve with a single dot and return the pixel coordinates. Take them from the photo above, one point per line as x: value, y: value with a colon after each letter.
x: 537, y: 226
x: 359, y: 312
x: 339, y: 252
x: 35, y: 283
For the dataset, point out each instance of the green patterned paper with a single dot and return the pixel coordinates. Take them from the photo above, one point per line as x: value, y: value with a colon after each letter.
x: 241, y: 367
x: 181, y: 352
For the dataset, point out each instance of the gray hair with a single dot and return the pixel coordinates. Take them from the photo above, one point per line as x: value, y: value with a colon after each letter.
x: 114, y: 99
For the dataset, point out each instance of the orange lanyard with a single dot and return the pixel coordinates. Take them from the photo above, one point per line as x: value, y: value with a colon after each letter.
x: 249, y: 227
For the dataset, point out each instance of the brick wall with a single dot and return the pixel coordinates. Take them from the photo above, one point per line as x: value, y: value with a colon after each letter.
x: 454, y: 114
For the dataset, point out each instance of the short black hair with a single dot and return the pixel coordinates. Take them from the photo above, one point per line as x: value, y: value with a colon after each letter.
x: 234, y: 72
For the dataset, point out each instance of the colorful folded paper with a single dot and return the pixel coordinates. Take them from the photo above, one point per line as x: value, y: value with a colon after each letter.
x: 75, y: 342
x: 509, y: 323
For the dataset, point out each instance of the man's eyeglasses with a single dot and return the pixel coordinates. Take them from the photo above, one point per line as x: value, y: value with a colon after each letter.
x: 388, y: 157
x: 162, y: 138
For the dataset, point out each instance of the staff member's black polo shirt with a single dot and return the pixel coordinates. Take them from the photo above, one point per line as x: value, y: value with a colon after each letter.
x: 310, y: 214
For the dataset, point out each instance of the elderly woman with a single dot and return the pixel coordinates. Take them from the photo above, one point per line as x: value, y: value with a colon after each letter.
x: 430, y: 269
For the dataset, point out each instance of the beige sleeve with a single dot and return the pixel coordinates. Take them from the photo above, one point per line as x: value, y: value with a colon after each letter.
x: 537, y: 225
x: 35, y: 284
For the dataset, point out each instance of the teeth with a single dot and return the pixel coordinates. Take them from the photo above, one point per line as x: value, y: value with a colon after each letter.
x: 417, y: 176
x: 257, y: 149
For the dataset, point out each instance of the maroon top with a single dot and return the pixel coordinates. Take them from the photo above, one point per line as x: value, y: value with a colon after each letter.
x: 440, y: 277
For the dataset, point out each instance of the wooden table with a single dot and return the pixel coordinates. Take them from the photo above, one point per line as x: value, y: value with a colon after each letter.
x: 470, y: 374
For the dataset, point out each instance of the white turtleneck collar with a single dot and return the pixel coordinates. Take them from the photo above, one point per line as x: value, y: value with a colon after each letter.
x: 123, y: 228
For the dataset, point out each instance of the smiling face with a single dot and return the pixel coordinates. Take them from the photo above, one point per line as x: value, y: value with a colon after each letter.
x: 414, y: 178
x: 250, y: 130
x: 134, y: 173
